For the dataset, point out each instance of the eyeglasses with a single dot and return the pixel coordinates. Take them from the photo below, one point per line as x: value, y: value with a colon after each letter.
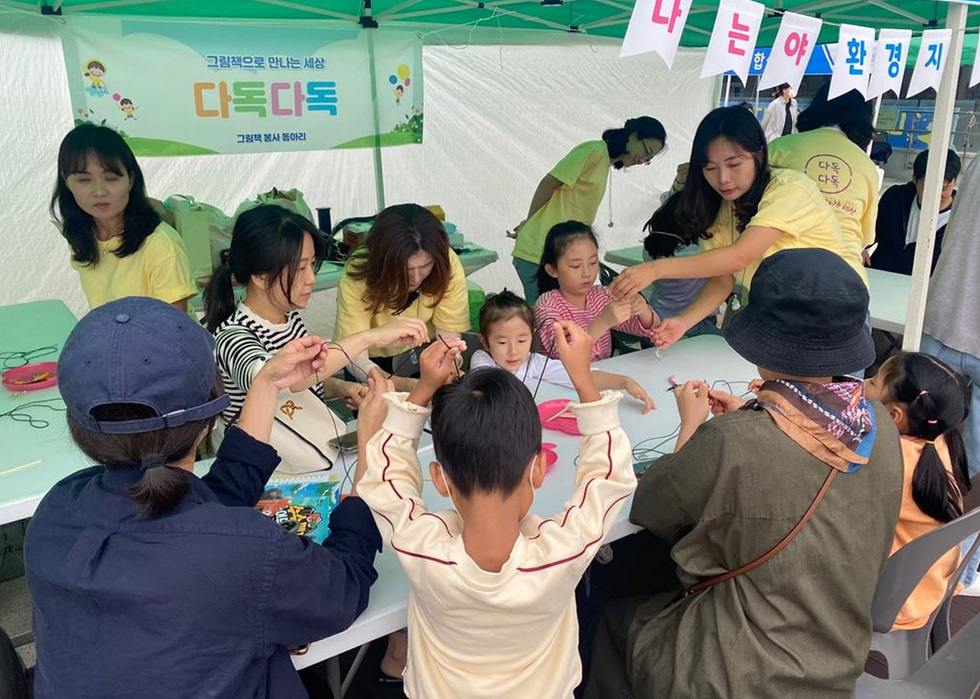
x: 650, y: 155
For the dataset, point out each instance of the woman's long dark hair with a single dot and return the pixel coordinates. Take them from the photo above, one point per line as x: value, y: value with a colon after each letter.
x: 643, y: 127
x: 850, y: 112
x: 556, y: 242
x: 266, y: 240
x: 139, y: 219
x: 700, y: 203
x: 399, y: 232
x: 936, y: 402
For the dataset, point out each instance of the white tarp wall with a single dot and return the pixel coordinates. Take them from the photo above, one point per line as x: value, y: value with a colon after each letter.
x: 497, y: 119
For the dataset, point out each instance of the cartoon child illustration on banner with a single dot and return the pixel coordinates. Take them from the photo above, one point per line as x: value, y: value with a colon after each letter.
x: 401, y: 74
x: 126, y: 106
x: 94, y: 71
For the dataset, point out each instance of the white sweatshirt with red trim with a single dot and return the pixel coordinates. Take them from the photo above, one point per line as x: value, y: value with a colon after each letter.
x: 473, y: 633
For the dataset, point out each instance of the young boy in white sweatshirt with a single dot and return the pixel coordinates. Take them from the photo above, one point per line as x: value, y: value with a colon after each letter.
x: 491, y: 611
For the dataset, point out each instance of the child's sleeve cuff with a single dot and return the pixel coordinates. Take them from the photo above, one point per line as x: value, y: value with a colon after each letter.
x: 598, y: 416
x: 404, y: 419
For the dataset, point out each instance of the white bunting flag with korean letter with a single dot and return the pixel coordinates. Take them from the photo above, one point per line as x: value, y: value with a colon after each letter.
x: 852, y: 67
x: 891, y: 55
x: 975, y: 73
x: 795, y: 43
x: 733, y: 38
x: 931, y: 61
x: 656, y: 25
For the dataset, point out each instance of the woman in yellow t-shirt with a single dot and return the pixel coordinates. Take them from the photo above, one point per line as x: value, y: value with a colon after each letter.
x: 742, y: 211
x: 574, y: 188
x: 119, y: 245
x: 404, y: 269
x: 832, y: 150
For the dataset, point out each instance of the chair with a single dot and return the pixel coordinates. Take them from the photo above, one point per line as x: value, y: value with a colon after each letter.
x: 951, y: 673
x: 907, y: 651
x: 14, y: 681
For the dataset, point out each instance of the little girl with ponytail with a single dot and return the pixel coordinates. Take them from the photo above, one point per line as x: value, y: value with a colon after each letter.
x: 928, y: 402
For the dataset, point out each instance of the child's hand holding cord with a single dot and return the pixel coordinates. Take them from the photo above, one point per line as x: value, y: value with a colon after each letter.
x: 574, y: 347
x: 438, y: 366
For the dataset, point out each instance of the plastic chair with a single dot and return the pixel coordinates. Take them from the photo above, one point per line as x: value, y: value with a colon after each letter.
x: 951, y: 673
x: 907, y: 651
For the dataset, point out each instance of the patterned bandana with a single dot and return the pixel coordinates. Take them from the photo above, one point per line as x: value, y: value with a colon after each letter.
x: 833, y: 421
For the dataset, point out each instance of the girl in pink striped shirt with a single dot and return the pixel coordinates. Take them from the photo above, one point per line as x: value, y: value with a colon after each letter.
x: 566, y: 280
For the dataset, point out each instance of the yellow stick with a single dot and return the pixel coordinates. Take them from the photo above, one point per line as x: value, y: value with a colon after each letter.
x: 20, y: 468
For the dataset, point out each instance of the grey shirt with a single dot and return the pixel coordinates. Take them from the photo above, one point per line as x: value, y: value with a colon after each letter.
x: 953, y: 307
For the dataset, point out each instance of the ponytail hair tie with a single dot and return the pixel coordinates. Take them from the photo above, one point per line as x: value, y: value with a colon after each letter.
x: 932, y: 422
x: 923, y: 392
x: 152, y: 461
x: 225, y: 256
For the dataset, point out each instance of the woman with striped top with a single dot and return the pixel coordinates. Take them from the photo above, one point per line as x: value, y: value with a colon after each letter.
x: 275, y: 254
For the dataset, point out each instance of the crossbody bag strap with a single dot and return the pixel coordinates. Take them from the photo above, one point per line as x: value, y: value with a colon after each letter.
x: 783, y: 543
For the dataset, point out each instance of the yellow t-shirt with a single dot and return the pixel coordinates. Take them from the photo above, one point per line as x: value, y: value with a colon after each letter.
x: 159, y: 269
x: 451, y: 314
x: 583, y: 174
x: 793, y: 205
x: 913, y: 523
x: 843, y: 173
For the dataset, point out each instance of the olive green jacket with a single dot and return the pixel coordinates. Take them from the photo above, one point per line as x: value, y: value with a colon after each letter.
x: 799, y: 625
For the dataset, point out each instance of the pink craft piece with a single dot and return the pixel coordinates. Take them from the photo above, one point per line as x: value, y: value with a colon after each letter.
x: 550, y: 457
x: 548, y: 410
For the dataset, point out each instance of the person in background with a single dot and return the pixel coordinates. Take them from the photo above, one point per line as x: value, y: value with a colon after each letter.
x: 573, y: 189
x: 898, y: 220
x: 798, y: 624
x: 742, y: 211
x: 507, y: 334
x: 566, y: 280
x: 119, y: 246
x: 927, y: 402
x: 780, y: 117
x: 831, y: 149
x: 275, y: 255
x: 669, y: 297
x: 951, y: 327
x: 404, y: 269
x: 175, y: 583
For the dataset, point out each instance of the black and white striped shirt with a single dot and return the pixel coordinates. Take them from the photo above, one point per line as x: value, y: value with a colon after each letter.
x: 242, y: 345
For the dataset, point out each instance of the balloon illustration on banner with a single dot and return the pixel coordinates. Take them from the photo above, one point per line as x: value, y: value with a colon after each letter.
x: 402, y: 74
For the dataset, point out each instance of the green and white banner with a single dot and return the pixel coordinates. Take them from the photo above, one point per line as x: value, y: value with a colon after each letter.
x: 185, y: 88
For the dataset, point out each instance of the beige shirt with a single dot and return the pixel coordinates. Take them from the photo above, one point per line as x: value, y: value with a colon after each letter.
x: 479, y: 634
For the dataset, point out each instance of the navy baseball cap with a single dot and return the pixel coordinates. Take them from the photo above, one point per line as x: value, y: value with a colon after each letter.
x: 143, y: 351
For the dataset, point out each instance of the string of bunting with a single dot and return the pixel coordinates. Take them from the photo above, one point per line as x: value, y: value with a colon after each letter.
x: 872, y: 67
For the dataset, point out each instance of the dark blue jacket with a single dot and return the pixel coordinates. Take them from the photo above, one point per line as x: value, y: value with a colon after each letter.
x: 201, y: 602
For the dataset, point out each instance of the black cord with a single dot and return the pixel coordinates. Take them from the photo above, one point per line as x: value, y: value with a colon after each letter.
x: 14, y: 359
x: 547, y: 358
x: 20, y: 413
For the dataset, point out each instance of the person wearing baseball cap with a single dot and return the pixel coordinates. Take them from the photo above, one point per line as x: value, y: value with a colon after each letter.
x: 149, y: 581
x: 780, y: 512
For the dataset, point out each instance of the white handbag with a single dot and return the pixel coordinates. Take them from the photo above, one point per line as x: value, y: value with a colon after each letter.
x: 301, y: 433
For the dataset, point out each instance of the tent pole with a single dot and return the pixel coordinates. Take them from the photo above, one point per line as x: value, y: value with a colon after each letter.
x: 935, y: 171
x: 728, y: 88
x: 379, y: 175
x: 874, y: 119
